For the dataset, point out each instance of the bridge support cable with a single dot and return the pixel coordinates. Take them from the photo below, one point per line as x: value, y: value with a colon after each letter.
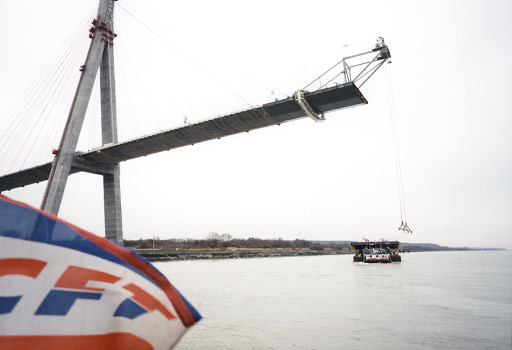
x: 398, y: 164
x: 124, y: 8
x: 146, y: 64
x: 99, y: 57
x: 144, y: 17
x: 34, y: 114
x: 50, y: 115
x: 128, y: 73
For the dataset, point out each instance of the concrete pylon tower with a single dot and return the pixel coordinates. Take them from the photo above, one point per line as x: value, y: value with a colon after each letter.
x: 100, y: 56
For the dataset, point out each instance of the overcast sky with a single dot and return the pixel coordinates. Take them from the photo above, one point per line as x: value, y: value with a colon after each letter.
x: 331, y: 181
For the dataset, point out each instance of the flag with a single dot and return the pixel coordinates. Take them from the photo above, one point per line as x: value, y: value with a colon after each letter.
x: 62, y: 287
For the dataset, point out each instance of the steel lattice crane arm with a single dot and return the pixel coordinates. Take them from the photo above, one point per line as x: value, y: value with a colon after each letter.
x: 356, y: 68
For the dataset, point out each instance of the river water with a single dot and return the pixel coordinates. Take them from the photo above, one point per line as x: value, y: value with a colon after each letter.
x: 437, y: 300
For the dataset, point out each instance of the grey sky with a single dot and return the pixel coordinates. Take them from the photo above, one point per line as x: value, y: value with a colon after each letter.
x: 329, y: 181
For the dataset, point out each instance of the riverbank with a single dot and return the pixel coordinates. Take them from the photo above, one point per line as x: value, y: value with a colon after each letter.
x: 178, y: 255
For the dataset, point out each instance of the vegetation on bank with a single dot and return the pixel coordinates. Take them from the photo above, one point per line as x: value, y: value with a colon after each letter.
x: 222, y: 246
x: 224, y: 241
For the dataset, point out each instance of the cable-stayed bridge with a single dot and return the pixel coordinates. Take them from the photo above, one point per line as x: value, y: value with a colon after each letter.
x: 101, y: 160
x: 339, y: 90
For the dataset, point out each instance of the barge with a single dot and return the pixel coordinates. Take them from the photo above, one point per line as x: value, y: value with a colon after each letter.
x: 375, y: 252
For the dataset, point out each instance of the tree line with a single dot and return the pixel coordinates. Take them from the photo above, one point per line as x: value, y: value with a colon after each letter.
x: 215, y: 240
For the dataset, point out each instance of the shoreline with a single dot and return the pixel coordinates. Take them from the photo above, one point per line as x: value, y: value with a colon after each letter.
x: 217, y: 254
x: 214, y: 254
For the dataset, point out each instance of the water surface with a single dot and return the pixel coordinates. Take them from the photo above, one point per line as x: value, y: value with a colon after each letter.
x: 437, y: 300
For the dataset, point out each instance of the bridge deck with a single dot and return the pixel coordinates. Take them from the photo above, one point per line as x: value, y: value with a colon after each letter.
x: 273, y: 113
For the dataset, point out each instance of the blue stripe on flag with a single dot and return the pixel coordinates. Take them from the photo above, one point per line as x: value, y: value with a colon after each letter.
x: 27, y: 224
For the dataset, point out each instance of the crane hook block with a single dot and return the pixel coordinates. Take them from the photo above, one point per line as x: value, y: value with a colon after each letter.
x: 404, y: 227
x: 304, y: 105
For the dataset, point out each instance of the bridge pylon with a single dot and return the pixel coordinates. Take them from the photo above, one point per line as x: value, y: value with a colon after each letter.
x: 100, y: 57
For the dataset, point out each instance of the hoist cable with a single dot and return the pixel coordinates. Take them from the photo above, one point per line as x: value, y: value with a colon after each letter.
x: 398, y: 164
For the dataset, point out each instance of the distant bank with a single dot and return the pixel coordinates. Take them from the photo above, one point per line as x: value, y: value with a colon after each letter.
x: 431, y: 247
x: 220, y: 253
x: 223, y: 246
x: 415, y: 247
x: 176, y: 255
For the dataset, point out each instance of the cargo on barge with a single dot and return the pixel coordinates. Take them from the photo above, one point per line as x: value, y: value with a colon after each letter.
x: 382, y: 251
